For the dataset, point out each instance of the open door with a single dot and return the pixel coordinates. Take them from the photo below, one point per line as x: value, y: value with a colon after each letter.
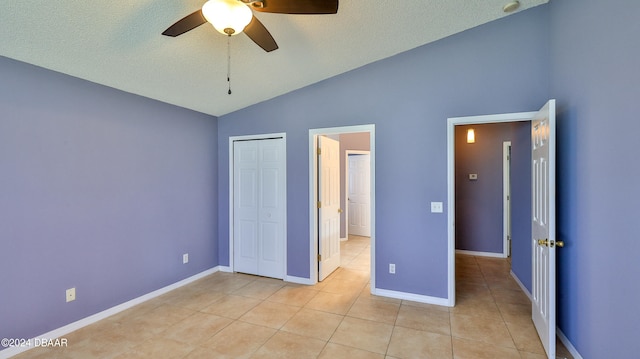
x: 328, y: 206
x: 543, y: 230
x: 359, y: 194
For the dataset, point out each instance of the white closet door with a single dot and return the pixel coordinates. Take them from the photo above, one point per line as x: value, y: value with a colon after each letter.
x: 271, y: 206
x: 359, y: 197
x: 259, y: 207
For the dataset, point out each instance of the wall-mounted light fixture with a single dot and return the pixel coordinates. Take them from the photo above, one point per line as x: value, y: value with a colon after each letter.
x: 471, y: 136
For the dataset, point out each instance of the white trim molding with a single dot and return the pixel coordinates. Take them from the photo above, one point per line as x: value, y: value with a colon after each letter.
x: 410, y: 296
x: 313, y: 192
x: 480, y: 254
x: 563, y: 338
x: 572, y: 350
x: 264, y: 136
x: 506, y: 198
x: 521, y: 285
x: 452, y: 122
x: 298, y: 280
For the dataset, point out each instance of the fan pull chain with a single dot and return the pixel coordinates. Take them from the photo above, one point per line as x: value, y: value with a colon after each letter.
x: 229, y: 62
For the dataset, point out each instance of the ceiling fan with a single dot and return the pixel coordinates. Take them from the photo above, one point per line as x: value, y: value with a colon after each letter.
x: 232, y: 17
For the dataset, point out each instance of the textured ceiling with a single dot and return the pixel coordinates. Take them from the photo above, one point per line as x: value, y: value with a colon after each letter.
x: 118, y: 44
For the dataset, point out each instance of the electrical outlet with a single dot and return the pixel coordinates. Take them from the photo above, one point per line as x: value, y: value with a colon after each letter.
x: 185, y: 258
x: 436, y: 207
x: 392, y: 268
x: 71, y: 294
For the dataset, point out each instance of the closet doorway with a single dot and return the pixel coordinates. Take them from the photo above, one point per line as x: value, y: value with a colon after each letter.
x: 258, y: 205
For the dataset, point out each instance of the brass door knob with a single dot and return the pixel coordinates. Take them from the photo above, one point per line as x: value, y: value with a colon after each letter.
x: 543, y: 242
x: 339, y: 210
x: 560, y: 244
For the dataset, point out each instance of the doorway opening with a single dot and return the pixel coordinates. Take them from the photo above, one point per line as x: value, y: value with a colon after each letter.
x: 539, y: 244
x: 473, y: 177
x: 321, y: 222
x: 258, y: 205
x: 358, y: 192
x: 482, y: 186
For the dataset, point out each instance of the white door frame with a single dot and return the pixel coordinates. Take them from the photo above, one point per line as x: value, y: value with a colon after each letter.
x: 313, y: 194
x: 346, y: 184
x: 506, y: 198
x: 451, y: 184
x: 232, y: 139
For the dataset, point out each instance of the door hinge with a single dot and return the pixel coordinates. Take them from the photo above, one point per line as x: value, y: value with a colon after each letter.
x: 319, y: 204
x: 319, y: 151
x: 319, y: 257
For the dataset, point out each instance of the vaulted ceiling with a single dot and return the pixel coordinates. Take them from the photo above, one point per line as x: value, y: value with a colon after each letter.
x: 119, y: 44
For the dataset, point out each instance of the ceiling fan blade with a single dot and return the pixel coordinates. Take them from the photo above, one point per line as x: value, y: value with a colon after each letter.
x: 309, y: 7
x: 185, y: 24
x: 260, y: 35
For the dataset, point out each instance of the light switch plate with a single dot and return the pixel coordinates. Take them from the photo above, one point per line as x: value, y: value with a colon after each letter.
x: 436, y: 207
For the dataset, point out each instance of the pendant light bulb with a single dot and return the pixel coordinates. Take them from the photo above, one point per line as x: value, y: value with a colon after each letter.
x: 229, y: 17
x: 471, y: 136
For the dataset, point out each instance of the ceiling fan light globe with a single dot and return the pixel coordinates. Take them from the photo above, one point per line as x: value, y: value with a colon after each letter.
x: 227, y: 14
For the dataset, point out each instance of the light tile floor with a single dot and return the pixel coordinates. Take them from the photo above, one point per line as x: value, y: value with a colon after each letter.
x: 229, y: 315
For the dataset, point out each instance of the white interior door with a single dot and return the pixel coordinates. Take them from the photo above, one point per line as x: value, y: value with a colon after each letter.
x: 359, y: 193
x: 543, y: 128
x: 259, y: 207
x: 329, y: 206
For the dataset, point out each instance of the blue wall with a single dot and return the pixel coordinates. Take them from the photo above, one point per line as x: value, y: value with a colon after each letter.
x: 595, y: 76
x: 99, y: 190
x: 479, y: 203
x: 498, y: 67
x: 103, y: 190
x: 521, y: 206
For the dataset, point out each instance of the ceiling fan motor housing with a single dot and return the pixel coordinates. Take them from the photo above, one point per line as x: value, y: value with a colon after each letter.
x: 254, y: 3
x: 253, y: 28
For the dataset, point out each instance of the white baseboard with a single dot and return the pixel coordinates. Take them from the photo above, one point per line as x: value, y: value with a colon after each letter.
x: 524, y: 289
x: 56, y: 333
x: 559, y: 333
x: 410, y: 296
x: 344, y: 239
x: 226, y: 269
x: 481, y: 254
x: 567, y: 344
x: 298, y: 280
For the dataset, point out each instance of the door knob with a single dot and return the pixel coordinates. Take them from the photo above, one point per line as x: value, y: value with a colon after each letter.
x: 543, y: 242
x: 560, y: 244
x: 339, y: 210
